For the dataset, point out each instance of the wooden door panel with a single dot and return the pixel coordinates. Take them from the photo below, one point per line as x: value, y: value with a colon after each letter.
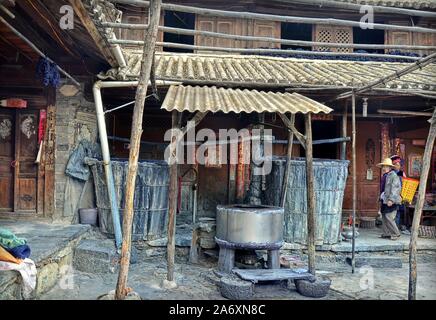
x: 26, y: 194
x: 367, y: 190
x: 6, y: 160
x: 26, y: 170
x: 266, y: 29
x: 205, y: 24
x: 6, y: 194
x: 225, y: 26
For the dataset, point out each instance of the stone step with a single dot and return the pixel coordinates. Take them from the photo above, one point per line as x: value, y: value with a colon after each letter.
x: 96, y: 256
x: 52, y: 248
x: 99, y: 256
x: 377, y: 261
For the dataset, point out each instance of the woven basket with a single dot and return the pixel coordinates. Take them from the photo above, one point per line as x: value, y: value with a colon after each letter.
x: 367, y: 222
x: 427, y: 232
x: 409, y: 188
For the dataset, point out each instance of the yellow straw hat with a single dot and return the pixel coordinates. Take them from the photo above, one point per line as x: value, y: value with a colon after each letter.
x: 386, y: 163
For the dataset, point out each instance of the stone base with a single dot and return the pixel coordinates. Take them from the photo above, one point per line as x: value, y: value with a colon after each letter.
x: 168, y: 285
x: 96, y: 256
x: 52, y: 251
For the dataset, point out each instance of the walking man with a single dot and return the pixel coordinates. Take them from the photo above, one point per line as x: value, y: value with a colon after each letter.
x: 390, y: 200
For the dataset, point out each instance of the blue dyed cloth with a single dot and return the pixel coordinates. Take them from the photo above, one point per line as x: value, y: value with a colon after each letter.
x: 20, y: 252
x: 9, y: 240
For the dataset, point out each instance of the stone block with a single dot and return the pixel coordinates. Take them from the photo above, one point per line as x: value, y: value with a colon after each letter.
x: 46, y: 278
x: 96, y: 256
x: 10, y: 285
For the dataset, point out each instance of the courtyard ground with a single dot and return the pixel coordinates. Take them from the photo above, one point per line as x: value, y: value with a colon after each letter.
x: 198, y: 282
x: 54, y: 249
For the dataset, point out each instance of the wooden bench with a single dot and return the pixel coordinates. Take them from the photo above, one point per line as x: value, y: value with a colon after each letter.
x: 261, y: 275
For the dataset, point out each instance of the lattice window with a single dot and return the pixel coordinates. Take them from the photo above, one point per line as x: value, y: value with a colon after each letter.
x: 324, y: 35
x: 333, y: 35
x: 344, y: 36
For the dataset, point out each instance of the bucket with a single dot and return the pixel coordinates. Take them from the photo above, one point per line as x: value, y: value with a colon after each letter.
x: 88, y: 216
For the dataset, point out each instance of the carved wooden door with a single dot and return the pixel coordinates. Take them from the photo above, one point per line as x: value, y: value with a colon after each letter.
x: 26, y: 170
x: 7, y: 157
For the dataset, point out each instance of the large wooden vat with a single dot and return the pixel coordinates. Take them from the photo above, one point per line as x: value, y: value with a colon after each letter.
x: 150, y: 200
x: 330, y: 180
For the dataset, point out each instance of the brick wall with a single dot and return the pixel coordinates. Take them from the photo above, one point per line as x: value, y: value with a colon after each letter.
x: 75, y: 119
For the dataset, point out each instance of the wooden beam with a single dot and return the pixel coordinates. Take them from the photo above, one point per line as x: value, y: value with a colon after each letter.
x: 291, y: 127
x: 173, y: 195
x: 288, y: 162
x: 262, y: 51
x: 7, y: 11
x: 406, y: 113
x: 270, y: 17
x: 135, y: 143
x: 8, y: 3
x: 44, y: 19
x: 413, y: 275
x: 35, y: 48
x: 356, y: 7
x: 419, y: 93
x: 353, y: 146
x: 394, y: 75
x: 311, y: 201
x: 89, y: 25
x: 180, y: 31
x: 344, y: 131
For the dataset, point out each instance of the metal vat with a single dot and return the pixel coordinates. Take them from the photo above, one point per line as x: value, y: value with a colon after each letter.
x: 247, y: 226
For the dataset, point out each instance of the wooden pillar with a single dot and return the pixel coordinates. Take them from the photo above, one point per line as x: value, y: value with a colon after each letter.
x: 288, y: 162
x: 418, y: 208
x: 311, y: 219
x: 135, y: 143
x: 353, y: 120
x: 173, y: 194
x: 344, y: 131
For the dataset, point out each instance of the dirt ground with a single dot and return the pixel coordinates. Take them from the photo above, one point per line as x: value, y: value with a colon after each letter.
x: 198, y: 282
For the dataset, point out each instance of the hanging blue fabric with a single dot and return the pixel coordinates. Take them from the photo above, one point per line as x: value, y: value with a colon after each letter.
x: 47, y: 72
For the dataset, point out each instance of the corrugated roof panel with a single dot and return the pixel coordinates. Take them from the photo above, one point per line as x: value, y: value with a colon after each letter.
x: 213, y: 99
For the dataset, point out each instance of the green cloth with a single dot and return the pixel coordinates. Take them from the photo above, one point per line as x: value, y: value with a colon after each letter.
x: 8, y: 240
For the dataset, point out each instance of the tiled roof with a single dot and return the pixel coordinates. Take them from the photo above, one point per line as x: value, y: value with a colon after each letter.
x: 213, y: 99
x: 258, y: 71
x: 416, y: 4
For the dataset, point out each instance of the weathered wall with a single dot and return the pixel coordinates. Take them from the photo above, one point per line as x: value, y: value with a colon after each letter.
x: 75, y: 120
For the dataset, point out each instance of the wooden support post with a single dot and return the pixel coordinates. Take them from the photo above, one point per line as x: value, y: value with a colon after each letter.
x: 135, y: 143
x: 419, y: 205
x: 353, y: 146
x: 311, y: 219
x: 171, y: 244
x: 288, y: 163
x: 344, y: 131
x: 287, y: 122
x: 226, y: 260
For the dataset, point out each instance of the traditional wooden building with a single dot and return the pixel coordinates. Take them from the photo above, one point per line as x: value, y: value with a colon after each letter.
x: 94, y: 50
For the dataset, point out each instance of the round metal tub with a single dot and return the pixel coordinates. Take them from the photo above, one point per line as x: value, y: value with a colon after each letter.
x: 250, y: 226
